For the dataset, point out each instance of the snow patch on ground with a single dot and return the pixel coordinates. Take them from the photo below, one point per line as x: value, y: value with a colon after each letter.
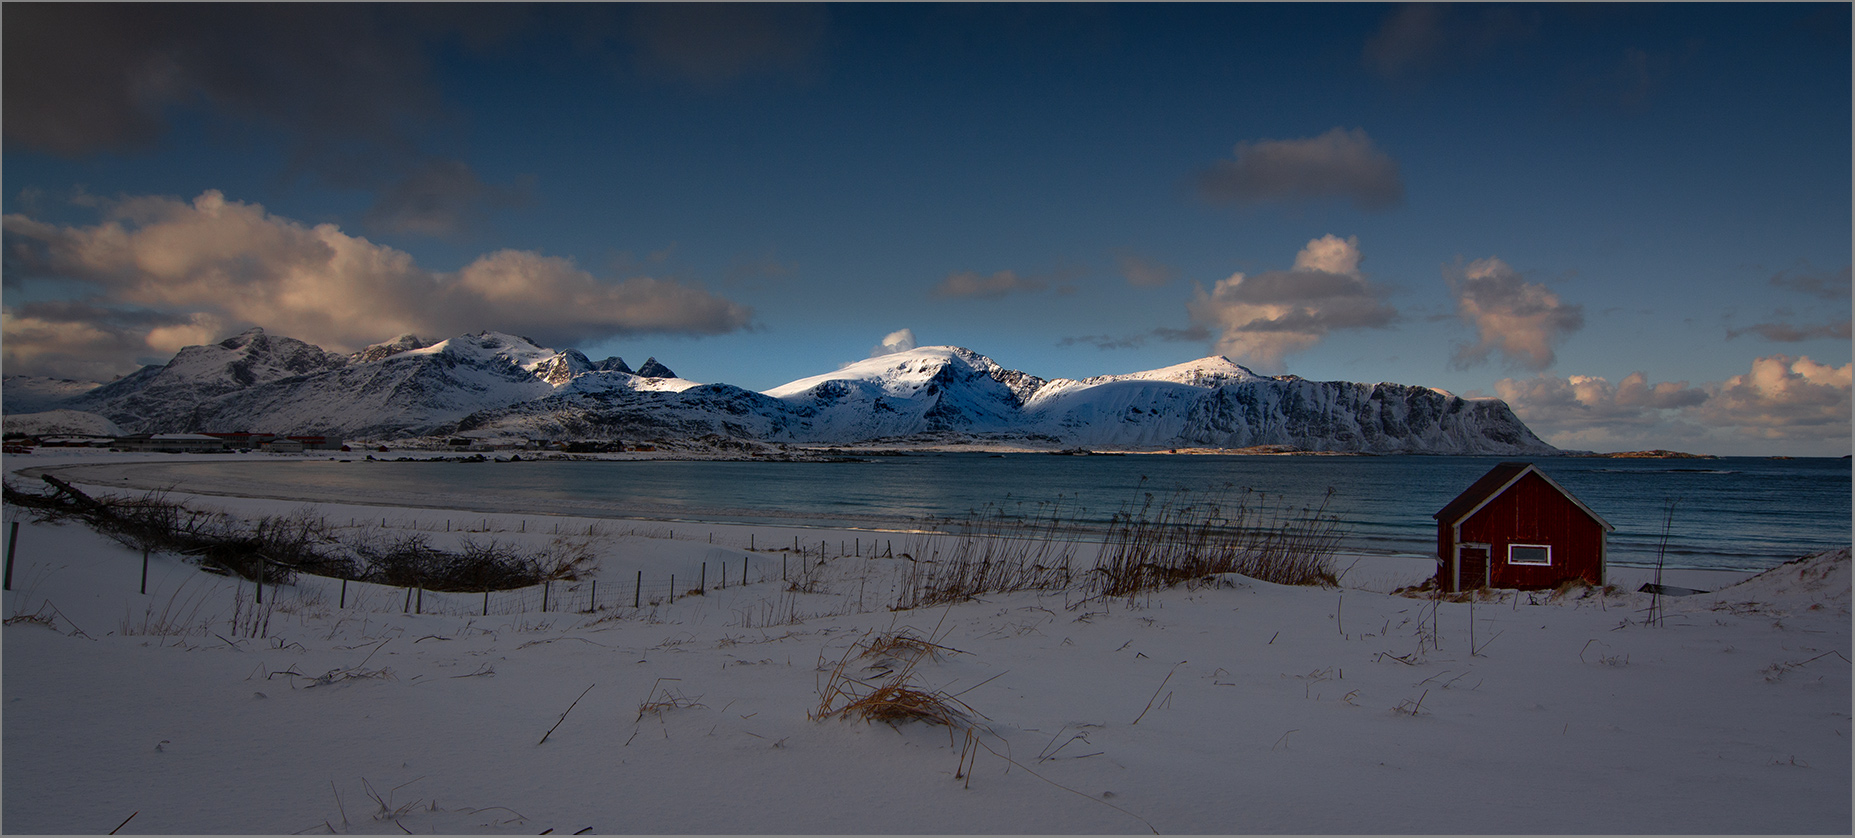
x: 1229, y: 706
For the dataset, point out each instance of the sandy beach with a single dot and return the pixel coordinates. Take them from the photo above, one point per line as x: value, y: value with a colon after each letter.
x: 1230, y: 705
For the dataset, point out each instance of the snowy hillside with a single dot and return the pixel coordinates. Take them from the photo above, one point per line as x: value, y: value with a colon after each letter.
x: 410, y: 392
x: 1210, y: 402
x: 165, y: 398
x: 33, y: 393
x: 498, y: 385
x: 934, y: 389
x: 60, y: 422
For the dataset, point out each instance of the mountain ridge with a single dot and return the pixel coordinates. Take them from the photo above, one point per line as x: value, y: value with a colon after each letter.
x: 498, y: 385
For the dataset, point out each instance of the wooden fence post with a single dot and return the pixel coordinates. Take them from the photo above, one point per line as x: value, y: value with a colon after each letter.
x: 12, y: 540
x: 486, y: 603
x: 545, y: 587
x: 344, y: 595
x: 144, y: 568
x: 637, y: 593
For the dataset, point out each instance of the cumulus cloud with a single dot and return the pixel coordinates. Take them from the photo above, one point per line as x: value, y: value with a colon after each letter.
x: 1520, y: 320
x: 1262, y: 318
x: 1339, y: 164
x: 213, y: 265
x: 1781, y: 400
x: 974, y: 285
x: 900, y: 340
x: 1784, y: 397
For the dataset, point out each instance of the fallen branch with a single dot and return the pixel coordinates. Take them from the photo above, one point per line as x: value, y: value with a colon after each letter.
x: 1162, y: 685
x: 563, y: 715
x: 125, y: 821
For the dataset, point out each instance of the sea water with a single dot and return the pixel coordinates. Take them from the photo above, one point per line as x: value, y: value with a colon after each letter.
x: 1729, y: 513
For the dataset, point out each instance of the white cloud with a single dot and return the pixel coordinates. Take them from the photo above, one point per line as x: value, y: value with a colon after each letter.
x: 900, y: 340
x: 213, y: 265
x: 1520, y: 320
x: 1265, y: 317
x: 1795, y: 403
x: 1784, y: 398
x: 1337, y: 164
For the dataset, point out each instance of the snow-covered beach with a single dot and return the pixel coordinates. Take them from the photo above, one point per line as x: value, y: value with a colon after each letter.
x: 1237, y: 706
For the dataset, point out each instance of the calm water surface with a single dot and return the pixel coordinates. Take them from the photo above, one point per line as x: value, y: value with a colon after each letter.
x: 1734, y: 513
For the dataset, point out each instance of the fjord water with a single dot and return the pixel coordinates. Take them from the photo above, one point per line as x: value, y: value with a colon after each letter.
x: 1731, y: 513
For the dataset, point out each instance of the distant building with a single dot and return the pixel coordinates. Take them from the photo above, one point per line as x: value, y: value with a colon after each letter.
x: 1517, y: 528
x: 242, y: 439
x: 170, y: 443
x: 318, y: 443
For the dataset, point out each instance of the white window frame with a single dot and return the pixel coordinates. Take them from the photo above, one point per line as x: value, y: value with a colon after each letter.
x: 1545, y: 547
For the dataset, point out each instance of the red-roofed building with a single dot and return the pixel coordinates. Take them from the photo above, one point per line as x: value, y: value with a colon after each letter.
x: 1518, y: 528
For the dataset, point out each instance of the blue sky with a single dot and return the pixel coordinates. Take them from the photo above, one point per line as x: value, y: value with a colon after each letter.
x: 1630, y: 221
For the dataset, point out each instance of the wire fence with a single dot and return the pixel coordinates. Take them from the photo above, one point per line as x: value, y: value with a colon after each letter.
x: 613, y: 590
x: 782, y: 570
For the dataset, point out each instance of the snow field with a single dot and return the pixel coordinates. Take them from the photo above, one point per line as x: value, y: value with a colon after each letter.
x: 1235, y: 707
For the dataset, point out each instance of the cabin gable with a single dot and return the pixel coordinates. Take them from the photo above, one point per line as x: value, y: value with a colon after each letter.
x: 1518, y: 528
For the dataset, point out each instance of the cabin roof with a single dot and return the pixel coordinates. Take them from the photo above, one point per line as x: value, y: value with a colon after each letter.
x: 1496, y: 481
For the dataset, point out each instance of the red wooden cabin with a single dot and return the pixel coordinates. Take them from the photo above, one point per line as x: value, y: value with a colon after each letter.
x: 1518, y: 528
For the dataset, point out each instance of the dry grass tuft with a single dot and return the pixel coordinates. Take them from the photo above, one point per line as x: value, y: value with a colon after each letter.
x: 895, y: 698
x: 903, y: 645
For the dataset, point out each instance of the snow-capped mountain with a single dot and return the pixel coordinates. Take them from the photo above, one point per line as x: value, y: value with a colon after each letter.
x: 34, y: 393
x: 61, y: 423
x: 492, y: 384
x: 166, y: 397
x: 417, y: 391
x: 933, y: 389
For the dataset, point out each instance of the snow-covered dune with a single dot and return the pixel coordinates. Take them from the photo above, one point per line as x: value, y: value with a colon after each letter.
x: 1233, y: 707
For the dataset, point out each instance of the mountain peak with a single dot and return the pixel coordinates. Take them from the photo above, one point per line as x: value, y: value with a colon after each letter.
x: 653, y: 369
x: 381, y: 351
x: 243, y: 339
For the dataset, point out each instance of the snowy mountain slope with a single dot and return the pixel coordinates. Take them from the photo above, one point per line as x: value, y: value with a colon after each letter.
x: 382, y: 351
x: 1341, y: 416
x: 34, y: 394
x: 55, y: 422
x: 494, y: 384
x: 408, y: 392
x: 166, y: 397
x: 644, y: 411
x: 933, y: 389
